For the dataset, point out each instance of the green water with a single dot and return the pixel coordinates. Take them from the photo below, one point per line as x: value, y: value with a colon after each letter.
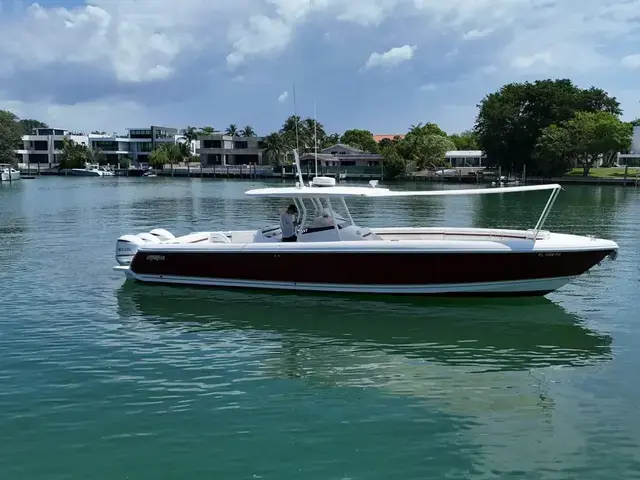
x: 104, y: 380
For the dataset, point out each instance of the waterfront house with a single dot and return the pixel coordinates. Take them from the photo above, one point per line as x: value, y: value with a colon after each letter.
x: 44, y: 145
x: 344, y: 156
x: 222, y: 149
x: 465, y: 158
x: 632, y: 158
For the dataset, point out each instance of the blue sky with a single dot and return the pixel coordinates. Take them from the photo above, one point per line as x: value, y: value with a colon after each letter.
x: 381, y: 65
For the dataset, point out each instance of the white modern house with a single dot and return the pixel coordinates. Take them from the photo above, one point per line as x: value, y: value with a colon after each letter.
x: 220, y: 149
x: 465, y: 158
x: 44, y: 145
x: 633, y: 157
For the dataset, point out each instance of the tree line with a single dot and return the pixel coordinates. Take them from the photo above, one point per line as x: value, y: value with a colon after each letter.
x: 423, y: 146
x: 545, y: 126
x: 548, y: 126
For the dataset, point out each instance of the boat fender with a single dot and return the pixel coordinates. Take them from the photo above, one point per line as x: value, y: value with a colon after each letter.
x: 126, y: 248
x: 162, y: 234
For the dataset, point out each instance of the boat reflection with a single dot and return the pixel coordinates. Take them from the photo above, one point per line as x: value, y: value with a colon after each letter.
x: 490, y: 334
x: 464, y: 357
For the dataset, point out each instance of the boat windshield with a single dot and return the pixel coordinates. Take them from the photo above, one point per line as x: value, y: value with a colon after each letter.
x: 322, y: 212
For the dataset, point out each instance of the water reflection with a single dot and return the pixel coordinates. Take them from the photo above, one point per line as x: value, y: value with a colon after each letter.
x: 577, y: 210
x: 493, y: 334
x: 464, y: 357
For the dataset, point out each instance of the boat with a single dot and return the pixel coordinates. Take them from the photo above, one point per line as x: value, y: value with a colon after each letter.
x: 8, y: 173
x: 335, y: 254
x: 92, y: 170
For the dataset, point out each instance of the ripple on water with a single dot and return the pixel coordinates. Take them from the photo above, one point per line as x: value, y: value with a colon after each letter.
x: 109, y: 380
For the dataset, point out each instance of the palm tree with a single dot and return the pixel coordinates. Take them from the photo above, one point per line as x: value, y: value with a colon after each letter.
x: 74, y: 155
x: 159, y: 156
x: 290, y: 124
x: 96, y: 156
x: 232, y: 130
x: 329, y: 140
x: 274, y: 146
x: 247, y: 131
x: 207, y: 131
x: 190, y: 134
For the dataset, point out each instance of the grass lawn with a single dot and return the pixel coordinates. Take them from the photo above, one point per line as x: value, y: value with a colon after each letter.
x: 613, y: 172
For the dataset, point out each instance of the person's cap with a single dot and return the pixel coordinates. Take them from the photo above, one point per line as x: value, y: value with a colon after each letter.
x: 293, y: 208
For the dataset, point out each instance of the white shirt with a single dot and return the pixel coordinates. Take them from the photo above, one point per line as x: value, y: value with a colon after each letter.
x: 286, y: 225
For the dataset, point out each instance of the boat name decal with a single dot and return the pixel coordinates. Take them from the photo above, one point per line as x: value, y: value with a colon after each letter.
x: 155, y: 258
x: 552, y: 254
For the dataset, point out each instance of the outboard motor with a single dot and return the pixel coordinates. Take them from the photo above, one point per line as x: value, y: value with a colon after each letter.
x: 126, y: 248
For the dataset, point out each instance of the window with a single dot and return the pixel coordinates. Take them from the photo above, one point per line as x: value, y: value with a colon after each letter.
x: 240, y: 145
x: 212, y: 144
x: 106, y: 145
x: 139, y: 133
x: 40, y: 145
x: 57, y: 144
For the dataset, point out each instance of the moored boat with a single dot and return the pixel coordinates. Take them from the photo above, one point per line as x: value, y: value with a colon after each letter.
x: 90, y: 170
x: 334, y: 254
x: 8, y: 173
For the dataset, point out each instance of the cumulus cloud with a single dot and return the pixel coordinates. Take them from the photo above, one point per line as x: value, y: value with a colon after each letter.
x: 472, y: 34
x: 631, y: 61
x: 391, y: 58
x: 124, y: 53
x: 283, y: 97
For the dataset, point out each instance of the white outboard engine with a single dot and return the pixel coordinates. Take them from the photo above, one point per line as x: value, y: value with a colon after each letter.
x: 127, y: 246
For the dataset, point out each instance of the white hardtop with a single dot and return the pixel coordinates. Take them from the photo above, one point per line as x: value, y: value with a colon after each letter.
x: 299, y: 191
x: 325, y: 187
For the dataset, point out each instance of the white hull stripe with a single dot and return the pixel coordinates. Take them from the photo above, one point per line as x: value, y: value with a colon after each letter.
x: 537, y: 285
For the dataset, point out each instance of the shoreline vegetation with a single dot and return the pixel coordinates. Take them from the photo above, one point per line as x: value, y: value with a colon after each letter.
x: 546, y: 128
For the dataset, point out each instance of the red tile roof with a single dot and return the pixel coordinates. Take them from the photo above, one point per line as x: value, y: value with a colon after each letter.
x: 378, y: 138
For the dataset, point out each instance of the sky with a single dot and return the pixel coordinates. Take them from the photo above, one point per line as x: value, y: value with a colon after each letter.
x: 380, y: 65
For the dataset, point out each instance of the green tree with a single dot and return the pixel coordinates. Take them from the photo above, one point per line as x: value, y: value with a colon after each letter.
x: 362, y: 139
x: 190, y: 134
x: 466, y: 140
x: 274, y: 148
x: 232, y: 130
x: 10, y: 136
x: 206, y: 131
x: 426, y: 129
x: 28, y: 125
x: 73, y: 155
x: 636, y: 122
x: 159, y: 157
x: 248, y: 131
x: 96, y: 156
x: 329, y: 140
x: 511, y: 120
x: 169, y: 153
x: 392, y: 162
x: 385, y: 143
x: 597, y: 136
x: 553, y: 153
x: 425, y: 145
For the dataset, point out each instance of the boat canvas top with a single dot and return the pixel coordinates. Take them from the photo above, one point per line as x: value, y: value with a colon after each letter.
x: 301, y: 191
x: 325, y: 187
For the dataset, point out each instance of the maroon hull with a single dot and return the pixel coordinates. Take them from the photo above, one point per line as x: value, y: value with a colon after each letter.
x: 402, y: 268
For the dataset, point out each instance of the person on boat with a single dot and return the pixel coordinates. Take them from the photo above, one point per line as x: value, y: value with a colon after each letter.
x: 288, y: 224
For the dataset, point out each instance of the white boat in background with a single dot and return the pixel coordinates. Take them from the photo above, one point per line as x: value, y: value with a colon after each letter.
x: 8, y: 173
x: 334, y: 254
x: 92, y: 170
